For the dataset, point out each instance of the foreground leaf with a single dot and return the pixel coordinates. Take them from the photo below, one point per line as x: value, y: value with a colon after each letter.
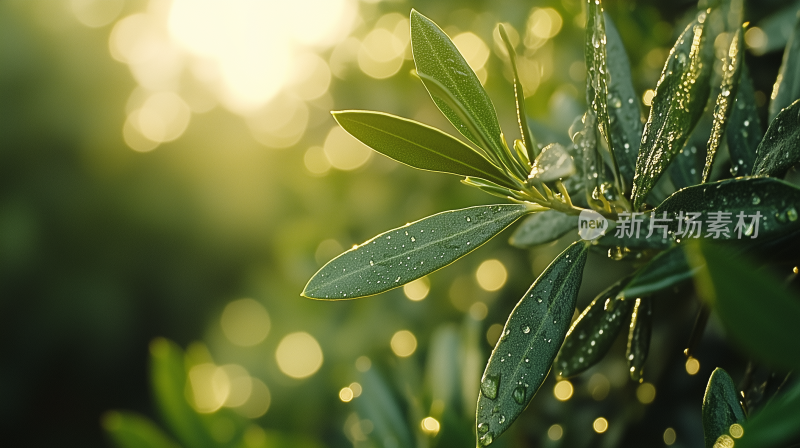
x: 624, y: 114
x: 780, y: 148
x: 775, y: 425
x: 756, y: 310
x: 418, y: 145
x: 130, y: 430
x: 665, y: 270
x: 407, y: 253
x: 542, y: 227
x: 519, y: 95
x: 721, y: 407
x: 593, y: 333
x: 731, y: 72
x: 744, y: 127
x: 639, y: 337
x: 787, y: 87
x: 529, y: 343
x: 680, y: 96
x: 436, y: 56
x: 168, y: 378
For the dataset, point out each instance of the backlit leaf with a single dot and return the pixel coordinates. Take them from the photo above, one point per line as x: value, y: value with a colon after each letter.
x: 528, y: 344
x: 543, y: 227
x: 787, y: 87
x: 407, y: 253
x: 639, y: 337
x: 776, y: 424
x: 744, y: 127
x: 130, y: 430
x: 519, y: 95
x: 721, y: 407
x: 780, y: 148
x: 418, y: 145
x: 680, y: 96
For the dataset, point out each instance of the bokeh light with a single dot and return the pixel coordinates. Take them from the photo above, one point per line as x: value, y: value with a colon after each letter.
x: 669, y: 436
x: 692, y: 366
x: 736, y: 431
x: 343, y: 151
x: 555, y: 432
x: 430, y: 425
x: 563, y: 390
x: 299, y: 355
x: 96, y: 13
x: 646, y: 393
x: 491, y: 275
x: 404, y: 343
x: 600, y: 425
x: 418, y: 289
x: 599, y: 386
x: 245, y: 322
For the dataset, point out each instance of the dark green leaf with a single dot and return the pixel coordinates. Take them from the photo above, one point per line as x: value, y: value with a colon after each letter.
x: 593, y: 333
x: 780, y: 148
x: 130, y: 430
x: 774, y: 202
x: 665, y: 270
x: 680, y: 96
x: 756, y: 310
x: 436, y: 56
x: 787, y: 87
x: 519, y: 95
x: 168, y: 378
x: 776, y: 425
x: 625, y: 116
x: 731, y: 72
x: 744, y: 127
x: 529, y: 343
x: 418, y: 145
x: 686, y: 168
x: 721, y: 407
x: 542, y: 227
x: 639, y: 337
x: 407, y: 253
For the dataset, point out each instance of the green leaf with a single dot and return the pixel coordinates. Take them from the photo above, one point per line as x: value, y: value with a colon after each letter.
x: 665, y: 270
x: 778, y: 28
x: 542, y: 227
x: 776, y: 424
x: 496, y: 190
x: 529, y: 343
x: 680, y: 96
x: 787, y: 86
x: 593, y: 333
x: 731, y: 72
x: 407, y: 253
x: 639, y: 337
x: 418, y: 145
x: 380, y: 406
x: 168, y: 378
x: 774, y: 201
x: 625, y: 116
x: 744, y: 127
x: 754, y: 307
x: 686, y: 168
x: 779, y: 150
x: 721, y: 407
x: 436, y: 56
x: 131, y: 430
x: 519, y: 94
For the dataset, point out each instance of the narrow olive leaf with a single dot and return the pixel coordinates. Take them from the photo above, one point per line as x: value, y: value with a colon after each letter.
x: 593, y: 333
x: 597, y: 80
x: 780, y: 148
x: 754, y: 307
x: 407, y: 253
x: 731, y: 72
x: 625, y: 116
x: 775, y: 425
x: 528, y: 344
x: 168, y: 378
x: 755, y: 209
x: 639, y: 337
x: 495, y: 190
x: 721, y: 407
x: 501, y: 157
x: 686, y: 168
x: 665, y: 270
x: 436, y: 56
x: 744, y: 127
x: 519, y: 94
x: 541, y: 228
x: 131, y: 430
x: 787, y: 86
x: 678, y: 103
x: 418, y: 145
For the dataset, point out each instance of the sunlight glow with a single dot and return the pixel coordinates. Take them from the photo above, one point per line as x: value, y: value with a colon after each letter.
x: 600, y: 425
x: 96, y: 13
x: 343, y: 151
x: 430, y: 425
x: 563, y: 390
x: 491, y: 275
x: 245, y: 322
x: 418, y: 289
x: 299, y: 355
x: 404, y: 343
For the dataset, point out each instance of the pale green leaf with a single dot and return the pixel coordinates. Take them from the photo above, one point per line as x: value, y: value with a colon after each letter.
x: 543, y: 227
x: 131, y: 430
x: 399, y: 256
x: 519, y: 94
x: 418, y: 145
x: 528, y: 344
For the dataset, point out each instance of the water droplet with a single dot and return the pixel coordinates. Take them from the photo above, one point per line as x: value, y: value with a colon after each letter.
x: 519, y: 394
x: 746, y: 122
x: 371, y: 263
x: 469, y: 219
x: 526, y: 329
x: 756, y: 200
x: 791, y: 213
x: 413, y: 240
x: 483, y: 428
x: 486, y: 439
x: 502, y: 419
x: 489, y: 386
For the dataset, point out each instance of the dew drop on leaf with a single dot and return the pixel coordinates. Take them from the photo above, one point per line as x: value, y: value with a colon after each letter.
x: 489, y: 386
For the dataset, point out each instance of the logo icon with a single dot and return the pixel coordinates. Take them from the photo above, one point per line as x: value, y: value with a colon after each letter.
x: 591, y: 225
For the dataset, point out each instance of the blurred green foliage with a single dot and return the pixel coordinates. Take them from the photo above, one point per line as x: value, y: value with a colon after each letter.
x: 103, y: 249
